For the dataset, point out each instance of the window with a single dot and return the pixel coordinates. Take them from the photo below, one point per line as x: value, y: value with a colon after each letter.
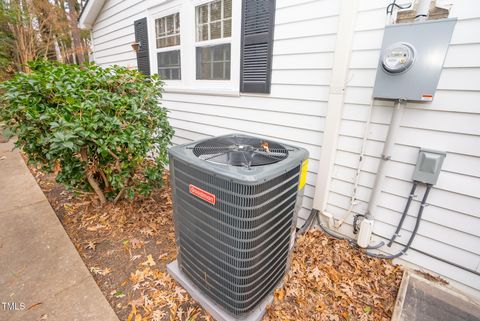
x: 213, y: 33
x: 167, y: 38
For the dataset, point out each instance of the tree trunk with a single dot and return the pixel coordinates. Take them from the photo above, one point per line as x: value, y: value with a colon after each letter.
x: 90, y: 178
x: 46, y: 20
x: 77, y: 41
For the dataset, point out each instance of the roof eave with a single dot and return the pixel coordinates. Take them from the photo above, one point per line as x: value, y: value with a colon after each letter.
x: 89, y: 13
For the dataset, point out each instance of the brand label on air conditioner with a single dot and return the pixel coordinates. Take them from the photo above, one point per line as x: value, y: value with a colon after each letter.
x: 204, y: 195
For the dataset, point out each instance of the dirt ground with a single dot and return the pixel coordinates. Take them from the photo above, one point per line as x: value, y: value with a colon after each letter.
x: 127, y: 246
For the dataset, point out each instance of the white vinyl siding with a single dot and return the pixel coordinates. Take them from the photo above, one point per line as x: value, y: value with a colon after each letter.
x: 450, y: 228
x: 113, y: 32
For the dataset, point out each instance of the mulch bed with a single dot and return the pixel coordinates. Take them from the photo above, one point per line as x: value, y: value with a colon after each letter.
x: 127, y: 246
x: 329, y: 280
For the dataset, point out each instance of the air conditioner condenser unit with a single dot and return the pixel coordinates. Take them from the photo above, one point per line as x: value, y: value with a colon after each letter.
x: 236, y: 200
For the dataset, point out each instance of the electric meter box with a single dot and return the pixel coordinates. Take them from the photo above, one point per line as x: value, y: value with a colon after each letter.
x: 411, y: 59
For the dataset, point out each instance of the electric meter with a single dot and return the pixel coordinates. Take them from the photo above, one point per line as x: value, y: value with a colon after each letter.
x: 398, y: 57
x: 411, y: 59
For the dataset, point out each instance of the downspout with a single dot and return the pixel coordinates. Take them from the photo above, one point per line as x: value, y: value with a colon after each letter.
x: 92, y: 47
x: 343, y: 48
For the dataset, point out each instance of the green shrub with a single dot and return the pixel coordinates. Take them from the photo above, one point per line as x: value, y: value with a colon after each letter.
x: 101, y: 129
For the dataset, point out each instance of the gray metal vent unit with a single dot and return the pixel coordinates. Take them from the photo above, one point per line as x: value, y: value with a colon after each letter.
x: 235, y: 204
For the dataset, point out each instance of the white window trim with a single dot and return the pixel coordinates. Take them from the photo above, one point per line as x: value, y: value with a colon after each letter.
x: 188, y: 44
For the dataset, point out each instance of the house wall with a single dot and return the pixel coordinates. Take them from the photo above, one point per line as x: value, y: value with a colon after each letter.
x: 113, y: 33
x: 450, y: 228
x: 294, y: 112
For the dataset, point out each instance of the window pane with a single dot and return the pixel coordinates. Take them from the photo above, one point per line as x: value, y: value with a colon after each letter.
x: 218, y: 70
x: 204, y: 33
x: 227, y: 8
x: 174, y: 58
x: 226, y: 66
x: 227, y: 28
x: 219, y: 54
x: 202, y: 14
x: 161, y: 27
x: 161, y: 43
x: 175, y: 74
x: 177, y: 23
x: 157, y: 27
x: 164, y: 74
x: 213, y: 62
x: 216, y: 30
x: 215, y: 10
x: 169, y: 64
x: 170, y: 41
x: 170, y: 25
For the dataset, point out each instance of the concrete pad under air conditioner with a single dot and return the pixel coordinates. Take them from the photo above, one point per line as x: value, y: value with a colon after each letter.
x: 217, y: 312
x: 420, y: 299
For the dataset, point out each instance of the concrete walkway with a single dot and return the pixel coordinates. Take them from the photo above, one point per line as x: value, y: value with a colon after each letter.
x: 42, y: 277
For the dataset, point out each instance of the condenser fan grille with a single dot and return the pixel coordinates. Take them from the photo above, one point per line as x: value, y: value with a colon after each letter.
x: 240, y: 151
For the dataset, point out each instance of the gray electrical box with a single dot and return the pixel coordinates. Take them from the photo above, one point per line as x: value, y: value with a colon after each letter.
x: 412, y: 58
x: 429, y: 164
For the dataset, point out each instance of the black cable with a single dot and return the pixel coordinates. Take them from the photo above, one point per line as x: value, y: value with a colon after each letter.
x: 404, y: 214
x: 329, y: 232
x: 414, y: 232
x: 433, y: 256
x: 392, y: 5
x: 306, y: 226
x: 355, y: 222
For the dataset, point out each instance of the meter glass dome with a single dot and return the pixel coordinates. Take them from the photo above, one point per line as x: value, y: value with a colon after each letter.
x: 398, y: 58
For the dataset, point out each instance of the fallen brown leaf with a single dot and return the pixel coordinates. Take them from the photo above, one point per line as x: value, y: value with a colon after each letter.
x: 149, y: 261
x: 91, y: 245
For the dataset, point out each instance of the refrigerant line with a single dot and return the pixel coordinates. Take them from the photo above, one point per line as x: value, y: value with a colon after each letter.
x: 358, y: 171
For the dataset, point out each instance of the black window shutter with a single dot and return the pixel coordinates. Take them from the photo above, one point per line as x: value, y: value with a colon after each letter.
x: 141, y: 37
x: 258, y: 20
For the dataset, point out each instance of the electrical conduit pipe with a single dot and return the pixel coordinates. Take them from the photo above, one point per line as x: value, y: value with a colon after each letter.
x: 366, y: 226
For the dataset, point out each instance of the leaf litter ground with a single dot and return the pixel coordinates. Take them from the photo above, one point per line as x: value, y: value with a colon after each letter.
x: 128, y: 245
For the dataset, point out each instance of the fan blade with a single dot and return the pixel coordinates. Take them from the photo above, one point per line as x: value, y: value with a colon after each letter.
x: 269, y: 155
